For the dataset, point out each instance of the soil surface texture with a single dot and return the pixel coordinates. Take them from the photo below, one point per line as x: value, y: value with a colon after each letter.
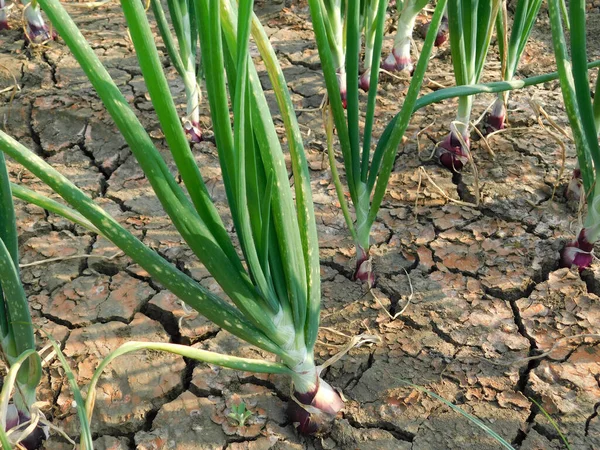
x: 474, y: 289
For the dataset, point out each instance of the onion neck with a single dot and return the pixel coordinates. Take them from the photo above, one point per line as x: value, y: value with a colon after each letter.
x: 363, y: 234
x: 406, y: 23
x: 592, y: 220
x: 305, y: 376
x: 463, y: 115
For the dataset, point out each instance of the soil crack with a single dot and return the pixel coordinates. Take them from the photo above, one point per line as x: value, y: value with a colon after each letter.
x: 106, y: 174
x: 524, y: 376
x: 360, y: 372
x: 52, y: 66
x: 398, y: 433
x: 595, y: 413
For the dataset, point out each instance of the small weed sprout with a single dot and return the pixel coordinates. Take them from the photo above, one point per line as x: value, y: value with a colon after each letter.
x: 239, y: 414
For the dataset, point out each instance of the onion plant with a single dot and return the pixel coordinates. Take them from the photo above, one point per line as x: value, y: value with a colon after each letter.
x: 183, y: 56
x: 35, y: 27
x: 399, y: 59
x: 367, y: 171
x: 272, y: 293
x: 511, y: 49
x: 471, y: 25
x: 584, y: 118
x: 16, y: 329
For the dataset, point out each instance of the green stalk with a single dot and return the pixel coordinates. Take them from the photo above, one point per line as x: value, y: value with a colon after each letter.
x: 524, y: 19
x: 85, y: 439
x: 184, y: 57
x: 485, y: 30
x: 370, y: 28
x: 304, y: 201
x: 463, y: 41
x: 167, y: 37
x: 287, y: 233
x: 374, y: 79
x: 182, y: 23
x: 4, y: 441
x: 8, y: 227
x: 457, y: 41
x: 360, y: 178
x: 331, y: 83
x: 230, y: 362
x: 243, y: 133
x: 471, y: 24
x: 565, y: 14
x: 169, y: 192
x: 35, y: 198
x: 277, y: 303
x: 335, y: 26
x: 335, y: 15
x: 15, y: 321
x: 165, y: 108
x: 18, y: 366
x: 339, y: 189
x: 581, y: 79
x: 363, y: 225
x: 188, y: 290
x: 567, y: 85
x: 228, y: 273
x: 511, y: 51
x: 463, y: 115
x: 8, y: 234
x: 353, y: 38
x: 20, y: 336
x: 502, y: 38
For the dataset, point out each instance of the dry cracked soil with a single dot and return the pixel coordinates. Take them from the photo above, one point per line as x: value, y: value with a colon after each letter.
x: 478, y: 286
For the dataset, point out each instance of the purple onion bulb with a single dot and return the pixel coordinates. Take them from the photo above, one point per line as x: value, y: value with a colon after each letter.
x: 313, y: 411
x: 34, y: 440
x: 192, y: 129
x: 364, y: 268
x: 451, y: 153
x: 578, y: 253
